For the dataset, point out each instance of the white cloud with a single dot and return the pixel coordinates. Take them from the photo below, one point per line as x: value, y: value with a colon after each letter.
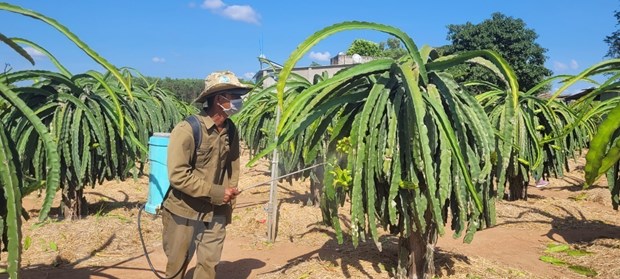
x: 559, y: 66
x: 235, y: 12
x: 320, y: 56
x: 158, y: 59
x: 241, y: 13
x: 562, y: 67
x: 573, y: 64
x: 248, y: 75
x: 212, y: 4
x: 34, y: 53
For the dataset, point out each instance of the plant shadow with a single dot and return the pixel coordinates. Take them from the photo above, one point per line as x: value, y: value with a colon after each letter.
x: 104, y: 205
x: 62, y: 268
x: 345, y: 258
x: 571, y: 228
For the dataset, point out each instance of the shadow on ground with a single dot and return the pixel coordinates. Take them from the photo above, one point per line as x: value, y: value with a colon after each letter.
x: 571, y: 227
x: 61, y: 269
x: 349, y: 259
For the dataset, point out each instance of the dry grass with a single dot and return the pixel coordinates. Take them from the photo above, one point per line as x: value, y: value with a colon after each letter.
x: 107, y: 235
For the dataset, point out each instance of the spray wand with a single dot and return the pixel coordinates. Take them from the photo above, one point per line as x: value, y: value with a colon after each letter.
x: 280, y: 177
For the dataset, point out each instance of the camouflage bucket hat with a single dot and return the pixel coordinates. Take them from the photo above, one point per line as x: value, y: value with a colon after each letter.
x: 217, y: 82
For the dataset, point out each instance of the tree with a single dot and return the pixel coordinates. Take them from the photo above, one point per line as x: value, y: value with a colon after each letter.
x: 392, y: 48
x: 315, y: 64
x: 364, y: 48
x: 399, y: 133
x: 186, y: 89
x: 259, y: 115
x: 509, y: 37
x: 603, y: 156
x: 613, y: 40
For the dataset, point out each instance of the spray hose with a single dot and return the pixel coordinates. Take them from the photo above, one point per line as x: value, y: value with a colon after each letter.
x: 146, y: 253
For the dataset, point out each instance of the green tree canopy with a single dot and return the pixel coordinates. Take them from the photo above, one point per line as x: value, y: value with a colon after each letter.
x: 509, y: 37
x: 392, y: 48
x: 186, y: 89
x: 364, y: 48
x: 613, y: 40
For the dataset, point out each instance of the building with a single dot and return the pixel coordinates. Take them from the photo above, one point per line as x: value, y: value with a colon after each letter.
x: 601, y: 97
x: 337, y: 63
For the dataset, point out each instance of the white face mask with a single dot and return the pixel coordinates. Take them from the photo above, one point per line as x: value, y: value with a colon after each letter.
x: 235, y: 106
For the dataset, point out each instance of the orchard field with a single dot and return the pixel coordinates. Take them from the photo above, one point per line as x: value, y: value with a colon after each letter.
x: 424, y: 171
x: 106, y: 244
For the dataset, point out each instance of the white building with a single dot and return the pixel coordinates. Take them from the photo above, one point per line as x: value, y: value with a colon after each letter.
x: 337, y: 63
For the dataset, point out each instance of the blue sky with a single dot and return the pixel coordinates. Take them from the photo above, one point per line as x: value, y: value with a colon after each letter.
x: 189, y: 39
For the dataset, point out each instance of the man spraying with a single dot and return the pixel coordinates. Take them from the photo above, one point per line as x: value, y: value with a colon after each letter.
x: 203, y: 176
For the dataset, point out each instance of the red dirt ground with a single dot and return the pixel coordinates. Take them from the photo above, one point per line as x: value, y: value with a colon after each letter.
x: 106, y: 244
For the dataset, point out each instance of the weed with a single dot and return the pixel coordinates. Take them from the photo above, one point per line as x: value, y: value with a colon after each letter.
x: 119, y: 217
x: 579, y: 197
x: 27, y: 243
x: 566, y: 249
x: 53, y: 246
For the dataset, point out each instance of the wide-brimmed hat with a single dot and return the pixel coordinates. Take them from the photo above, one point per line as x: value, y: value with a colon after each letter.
x: 221, y: 81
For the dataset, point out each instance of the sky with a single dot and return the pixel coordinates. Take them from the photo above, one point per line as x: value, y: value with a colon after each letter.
x: 190, y: 39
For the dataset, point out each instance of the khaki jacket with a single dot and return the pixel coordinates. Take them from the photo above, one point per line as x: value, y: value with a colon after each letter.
x: 198, y: 193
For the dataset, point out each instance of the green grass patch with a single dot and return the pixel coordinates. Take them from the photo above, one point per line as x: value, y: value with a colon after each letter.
x: 579, y: 197
x: 583, y: 270
x: 577, y: 253
x: 27, y: 243
x: 552, y: 260
x: 554, y: 248
x: 565, y: 249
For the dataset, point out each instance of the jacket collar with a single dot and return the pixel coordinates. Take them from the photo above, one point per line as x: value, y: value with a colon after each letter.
x: 208, y: 121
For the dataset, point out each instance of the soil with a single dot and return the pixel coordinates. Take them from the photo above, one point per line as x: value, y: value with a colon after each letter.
x: 580, y: 225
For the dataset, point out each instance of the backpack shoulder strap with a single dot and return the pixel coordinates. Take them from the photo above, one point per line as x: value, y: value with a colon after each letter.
x: 194, y: 122
x: 232, y: 130
x: 197, y: 134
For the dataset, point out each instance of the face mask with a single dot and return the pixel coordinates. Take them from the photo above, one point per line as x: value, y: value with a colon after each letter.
x: 235, y: 106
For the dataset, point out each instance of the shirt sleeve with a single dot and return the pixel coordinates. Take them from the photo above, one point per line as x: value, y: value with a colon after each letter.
x: 180, y: 172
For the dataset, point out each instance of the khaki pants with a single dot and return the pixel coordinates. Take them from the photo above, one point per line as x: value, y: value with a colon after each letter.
x: 181, y: 236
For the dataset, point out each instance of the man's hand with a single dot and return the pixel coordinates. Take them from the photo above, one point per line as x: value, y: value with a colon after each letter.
x: 230, y: 194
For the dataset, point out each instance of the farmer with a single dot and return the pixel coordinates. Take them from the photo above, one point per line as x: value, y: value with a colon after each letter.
x: 203, y: 181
